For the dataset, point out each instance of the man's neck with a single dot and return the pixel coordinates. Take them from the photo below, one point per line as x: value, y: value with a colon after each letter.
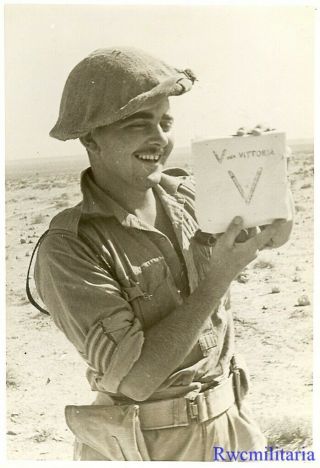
x: 141, y: 203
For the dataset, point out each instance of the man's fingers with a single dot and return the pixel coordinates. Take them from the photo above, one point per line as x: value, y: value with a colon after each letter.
x: 278, y: 222
x: 252, y: 232
x: 233, y: 231
x: 243, y: 236
x: 241, y: 131
x: 261, y: 239
x: 257, y: 240
x: 257, y: 130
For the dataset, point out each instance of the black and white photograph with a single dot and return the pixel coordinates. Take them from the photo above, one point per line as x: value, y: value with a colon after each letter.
x: 159, y: 232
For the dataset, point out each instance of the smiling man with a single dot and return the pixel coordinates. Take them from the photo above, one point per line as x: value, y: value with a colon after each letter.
x: 131, y: 283
x: 128, y: 156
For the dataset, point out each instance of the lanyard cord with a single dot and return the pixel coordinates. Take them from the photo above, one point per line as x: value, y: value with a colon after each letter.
x: 28, y: 291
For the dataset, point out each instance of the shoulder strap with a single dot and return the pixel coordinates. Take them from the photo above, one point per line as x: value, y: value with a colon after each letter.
x: 90, y: 243
x: 28, y: 291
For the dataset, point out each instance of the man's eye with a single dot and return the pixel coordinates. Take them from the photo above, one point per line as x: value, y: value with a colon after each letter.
x: 136, y: 125
x: 166, y: 125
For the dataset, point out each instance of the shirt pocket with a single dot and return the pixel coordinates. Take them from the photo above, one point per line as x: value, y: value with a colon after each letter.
x: 152, y: 292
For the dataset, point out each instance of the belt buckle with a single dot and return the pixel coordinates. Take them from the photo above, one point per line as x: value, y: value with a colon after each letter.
x: 193, y: 410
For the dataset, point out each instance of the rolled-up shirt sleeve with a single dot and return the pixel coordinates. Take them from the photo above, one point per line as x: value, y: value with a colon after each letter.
x: 86, y: 303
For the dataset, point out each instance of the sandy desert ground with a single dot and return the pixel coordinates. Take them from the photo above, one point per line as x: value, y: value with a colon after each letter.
x: 272, y: 312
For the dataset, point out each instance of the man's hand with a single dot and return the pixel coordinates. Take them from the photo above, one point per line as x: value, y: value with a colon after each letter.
x: 282, y: 233
x: 230, y: 257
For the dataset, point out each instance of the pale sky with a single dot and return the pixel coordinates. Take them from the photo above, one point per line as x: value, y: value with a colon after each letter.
x: 253, y: 63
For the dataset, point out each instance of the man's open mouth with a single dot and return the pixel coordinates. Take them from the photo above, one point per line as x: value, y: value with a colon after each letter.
x: 148, y: 157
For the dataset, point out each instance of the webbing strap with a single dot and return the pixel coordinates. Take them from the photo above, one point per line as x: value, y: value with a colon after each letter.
x: 28, y: 291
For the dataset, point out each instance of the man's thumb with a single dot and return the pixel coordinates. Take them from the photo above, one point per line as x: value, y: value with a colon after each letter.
x: 233, y: 230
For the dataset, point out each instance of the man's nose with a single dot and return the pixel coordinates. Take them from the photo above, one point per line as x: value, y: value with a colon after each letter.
x: 159, y: 136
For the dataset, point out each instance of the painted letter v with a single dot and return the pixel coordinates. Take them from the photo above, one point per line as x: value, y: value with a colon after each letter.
x: 219, y: 158
x: 253, y: 187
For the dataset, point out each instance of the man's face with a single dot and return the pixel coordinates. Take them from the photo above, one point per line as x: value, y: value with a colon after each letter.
x: 133, y: 151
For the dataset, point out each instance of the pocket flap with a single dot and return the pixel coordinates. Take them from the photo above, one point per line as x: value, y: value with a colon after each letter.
x: 114, y: 431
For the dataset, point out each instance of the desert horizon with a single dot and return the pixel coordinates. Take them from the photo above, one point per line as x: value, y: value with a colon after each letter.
x: 181, y: 156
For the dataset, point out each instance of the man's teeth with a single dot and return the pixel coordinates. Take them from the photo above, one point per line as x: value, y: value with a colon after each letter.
x: 148, y: 157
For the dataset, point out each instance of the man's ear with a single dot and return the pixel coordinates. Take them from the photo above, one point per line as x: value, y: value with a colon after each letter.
x: 89, y: 143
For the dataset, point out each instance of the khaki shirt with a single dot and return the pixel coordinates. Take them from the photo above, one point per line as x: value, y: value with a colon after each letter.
x: 105, y: 277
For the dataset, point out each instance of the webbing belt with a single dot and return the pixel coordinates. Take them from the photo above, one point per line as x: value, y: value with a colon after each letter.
x: 182, y: 412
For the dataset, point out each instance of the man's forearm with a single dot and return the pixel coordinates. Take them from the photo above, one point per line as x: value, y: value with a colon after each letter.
x: 169, y: 341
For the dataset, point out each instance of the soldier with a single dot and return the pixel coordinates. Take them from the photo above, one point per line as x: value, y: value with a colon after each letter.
x: 132, y: 283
